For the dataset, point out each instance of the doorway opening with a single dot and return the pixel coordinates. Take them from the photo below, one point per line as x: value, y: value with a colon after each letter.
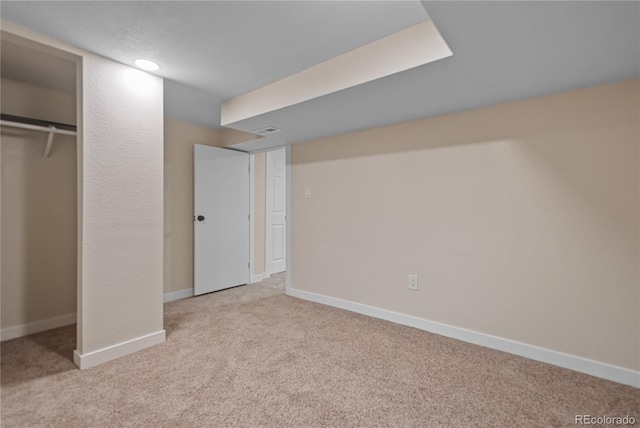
x: 268, y: 212
x: 41, y: 157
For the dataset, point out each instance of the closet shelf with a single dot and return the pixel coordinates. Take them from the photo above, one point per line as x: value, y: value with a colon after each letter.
x: 39, y: 125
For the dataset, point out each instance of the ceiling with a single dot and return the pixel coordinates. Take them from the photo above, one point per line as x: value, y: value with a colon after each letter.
x: 212, y: 51
x: 502, y: 52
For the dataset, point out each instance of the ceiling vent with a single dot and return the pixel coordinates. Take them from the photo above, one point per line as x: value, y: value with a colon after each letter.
x: 266, y: 131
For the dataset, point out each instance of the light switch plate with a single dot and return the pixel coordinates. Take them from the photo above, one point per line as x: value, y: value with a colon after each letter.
x: 413, y: 282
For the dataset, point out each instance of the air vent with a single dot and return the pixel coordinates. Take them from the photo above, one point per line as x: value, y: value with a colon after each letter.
x: 266, y: 131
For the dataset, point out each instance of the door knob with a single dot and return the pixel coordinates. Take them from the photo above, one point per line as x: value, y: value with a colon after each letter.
x: 200, y: 217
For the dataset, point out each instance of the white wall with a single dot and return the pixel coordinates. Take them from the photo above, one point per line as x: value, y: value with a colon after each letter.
x: 122, y: 234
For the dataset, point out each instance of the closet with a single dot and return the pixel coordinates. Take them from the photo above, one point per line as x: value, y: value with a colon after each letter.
x: 38, y: 189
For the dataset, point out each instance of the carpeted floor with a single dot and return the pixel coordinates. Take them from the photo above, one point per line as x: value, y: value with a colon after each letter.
x: 251, y: 356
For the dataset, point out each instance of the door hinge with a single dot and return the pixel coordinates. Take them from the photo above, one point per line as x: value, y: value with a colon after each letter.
x: 249, y: 217
x: 249, y: 265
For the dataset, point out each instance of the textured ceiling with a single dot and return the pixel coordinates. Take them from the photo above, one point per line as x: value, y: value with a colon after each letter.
x: 211, y: 51
x: 223, y: 47
x: 215, y: 50
x: 502, y: 52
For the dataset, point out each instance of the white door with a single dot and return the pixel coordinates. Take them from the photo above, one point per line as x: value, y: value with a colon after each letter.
x: 221, y: 218
x: 276, y: 209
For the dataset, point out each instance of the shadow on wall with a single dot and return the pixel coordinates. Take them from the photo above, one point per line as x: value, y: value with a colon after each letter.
x: 552, y: 135
x: 522, y: 218
x: 38, y: 227
x: 528, y: 121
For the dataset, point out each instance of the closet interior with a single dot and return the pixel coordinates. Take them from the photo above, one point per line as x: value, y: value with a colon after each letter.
x: 39, y: 203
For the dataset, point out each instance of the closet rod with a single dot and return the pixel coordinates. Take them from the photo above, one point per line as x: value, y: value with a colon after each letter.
x: 36, y: 127
x: 37, y: 124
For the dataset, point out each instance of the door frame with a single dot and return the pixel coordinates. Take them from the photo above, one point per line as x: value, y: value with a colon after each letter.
x: 269, y: 240
x: 43, y: 44
x: 253, y: 277
x: 259, y: 276
x: 287, y: 192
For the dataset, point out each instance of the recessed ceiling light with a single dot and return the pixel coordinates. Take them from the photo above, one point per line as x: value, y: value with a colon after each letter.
x: 147, y: 65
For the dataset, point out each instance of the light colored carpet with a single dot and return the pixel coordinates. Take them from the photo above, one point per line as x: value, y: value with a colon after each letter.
x: 251, y: 356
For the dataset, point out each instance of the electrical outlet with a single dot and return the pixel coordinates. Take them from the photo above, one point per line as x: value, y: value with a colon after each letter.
x: 413, y: 282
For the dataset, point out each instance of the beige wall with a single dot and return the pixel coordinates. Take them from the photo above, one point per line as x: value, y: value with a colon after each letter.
x: 259, y: 213
x: 23, y: 99
x: 521, y: 220
x: 38, y: 233
x: 179, y: 138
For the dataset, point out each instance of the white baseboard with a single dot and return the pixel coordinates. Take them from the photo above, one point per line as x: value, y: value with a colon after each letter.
x: 259, y: 277
x: 188, y: 292
x: 572, y: 362
x: 177, y: 295
x: 92, y: 359
x: 36, y: 327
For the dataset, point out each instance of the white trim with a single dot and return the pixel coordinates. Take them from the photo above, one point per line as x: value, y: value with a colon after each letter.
x: 259, y: 277
x: 572, y: 362
x: 92, y: 359
x: 287, y: 178
x: 268, y: 262
x: 268, y: 211
x: 252, y: 215
x: 21, y: 330
x: 177, y: 295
